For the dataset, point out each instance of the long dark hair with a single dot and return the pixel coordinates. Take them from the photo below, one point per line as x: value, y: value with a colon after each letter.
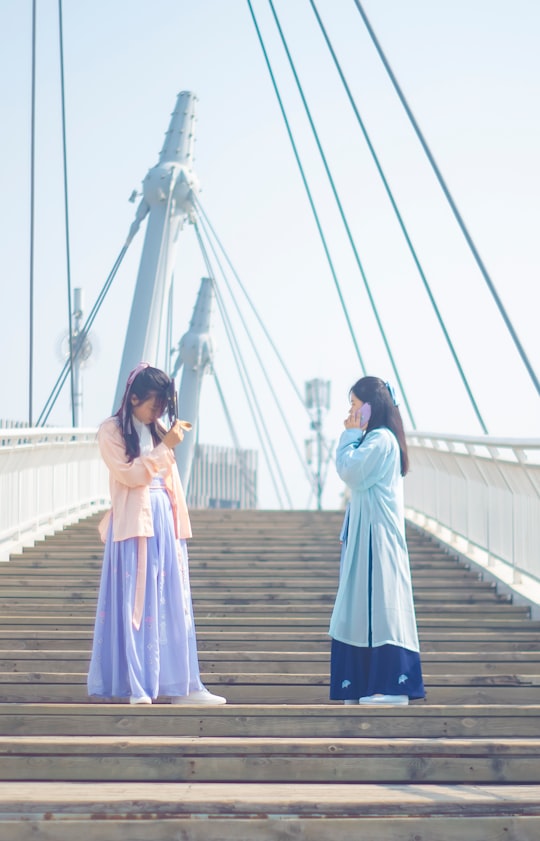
x: 384, y: 412
x: 148, y: 381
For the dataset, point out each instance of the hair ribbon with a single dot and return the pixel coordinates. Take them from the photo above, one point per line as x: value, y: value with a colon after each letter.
x: 392, y: 393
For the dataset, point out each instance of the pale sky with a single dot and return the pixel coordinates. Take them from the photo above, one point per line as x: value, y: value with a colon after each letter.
x: 470, y: 70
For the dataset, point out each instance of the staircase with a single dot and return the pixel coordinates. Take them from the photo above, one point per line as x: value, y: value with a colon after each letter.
x: 279, y: 761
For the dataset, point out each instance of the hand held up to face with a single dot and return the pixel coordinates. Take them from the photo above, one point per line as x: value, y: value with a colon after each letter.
x: 174, y: 436
x: 352, y: 421
x: 359, y: 414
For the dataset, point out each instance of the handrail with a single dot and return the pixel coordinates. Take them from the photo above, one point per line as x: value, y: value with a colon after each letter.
x: 481, y: 495
x: 532, y: 444
x: 478, y: 493
x: 48, y: 478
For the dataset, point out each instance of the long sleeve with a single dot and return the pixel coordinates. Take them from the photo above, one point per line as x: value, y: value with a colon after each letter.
x: 363, y: 463
x: 141, y: 470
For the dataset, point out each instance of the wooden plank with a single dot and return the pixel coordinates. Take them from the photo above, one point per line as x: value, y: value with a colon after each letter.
x: 472, y: 662
x: 427, y: 627
x: 247, y: 662
x: 318, y: 747
x: 233, y: 600
x: 272, y: 760
x: 278, y: 678
x: 270, y: 720
x: 478, y: 645
x: 269, y: 828
x: 177, y: 799
x: 281, y: 694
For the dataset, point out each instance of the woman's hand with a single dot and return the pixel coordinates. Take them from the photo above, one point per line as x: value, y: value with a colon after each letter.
x: 174, y: 436
x: 352, y: 421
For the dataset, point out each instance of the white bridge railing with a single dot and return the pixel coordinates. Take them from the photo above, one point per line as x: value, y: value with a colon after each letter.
x: 481, y: 496
x: 48, y: 479
x: 478, y: 495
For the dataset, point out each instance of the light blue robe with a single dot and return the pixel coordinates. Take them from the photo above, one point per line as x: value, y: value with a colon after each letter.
x: 372, y: 472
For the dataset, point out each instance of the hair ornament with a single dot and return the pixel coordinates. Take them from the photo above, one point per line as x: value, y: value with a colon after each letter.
x: 392, y: 393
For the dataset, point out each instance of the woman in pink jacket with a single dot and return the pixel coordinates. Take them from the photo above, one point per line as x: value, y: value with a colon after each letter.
x: 144, y: 640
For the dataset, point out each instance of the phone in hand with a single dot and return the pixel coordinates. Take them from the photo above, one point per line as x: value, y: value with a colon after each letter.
x: 365, y: 414
x: 172, y: 408
x: 172, y: 403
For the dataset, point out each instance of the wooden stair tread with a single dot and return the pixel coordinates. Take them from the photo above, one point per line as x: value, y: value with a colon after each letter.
x: 299, y: 798
x: 229, y: 745
x: 286, y: 720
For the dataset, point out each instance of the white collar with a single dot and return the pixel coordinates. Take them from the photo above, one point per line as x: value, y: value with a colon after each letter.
x: 145, y: 436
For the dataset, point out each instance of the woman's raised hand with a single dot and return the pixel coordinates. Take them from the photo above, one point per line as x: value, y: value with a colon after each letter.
x: 174, y: 436
x: 352, y: 421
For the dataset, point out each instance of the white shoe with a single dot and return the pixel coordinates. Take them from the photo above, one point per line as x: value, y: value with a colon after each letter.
x: 142, y: 699
x: 401, y: 700
x: 351, y: 701
x: 200, y: 696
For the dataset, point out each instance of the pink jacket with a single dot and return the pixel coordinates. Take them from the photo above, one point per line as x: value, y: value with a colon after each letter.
x: 129, y: 486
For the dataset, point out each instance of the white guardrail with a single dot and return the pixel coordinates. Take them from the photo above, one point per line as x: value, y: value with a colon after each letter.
x: 480, y: 496
x: 48, y: 479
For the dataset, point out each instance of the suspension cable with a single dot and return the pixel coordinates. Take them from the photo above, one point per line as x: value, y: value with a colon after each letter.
x: 308, y: 191
x: 401, y: 223
x: 80, y: 340
x: 66, y: 210
x: 32, y: 215
x: 342, y: 214
x: 251, y: 400
x: 259, y: 360
x: 204, y: 216
x: 451, y: 202
x: 246, y: 383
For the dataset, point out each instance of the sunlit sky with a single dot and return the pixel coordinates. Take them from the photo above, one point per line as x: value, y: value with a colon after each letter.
x: 470, y: 70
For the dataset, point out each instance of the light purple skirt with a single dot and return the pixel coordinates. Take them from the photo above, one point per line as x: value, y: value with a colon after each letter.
x: 161, y: 657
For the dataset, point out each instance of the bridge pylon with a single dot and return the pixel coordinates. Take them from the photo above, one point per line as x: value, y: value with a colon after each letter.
x: 168, y: 194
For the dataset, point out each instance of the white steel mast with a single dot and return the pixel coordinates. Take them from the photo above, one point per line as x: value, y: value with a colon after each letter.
x: 195, y: 355
x: 168, y: 192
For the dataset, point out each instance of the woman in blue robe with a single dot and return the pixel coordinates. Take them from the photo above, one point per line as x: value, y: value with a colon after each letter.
x: 375, y: 652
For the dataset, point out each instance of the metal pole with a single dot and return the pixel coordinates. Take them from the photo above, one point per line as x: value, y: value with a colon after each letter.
x: 319, y: 453
x: 77, y: 381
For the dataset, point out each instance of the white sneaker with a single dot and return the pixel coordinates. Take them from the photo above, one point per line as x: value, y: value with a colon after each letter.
x: 142, y: 699
x: 401, y: 700
x: 200, y: 696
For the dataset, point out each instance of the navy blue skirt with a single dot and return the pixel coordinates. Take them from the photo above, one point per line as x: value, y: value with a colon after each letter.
x: 386, y: 669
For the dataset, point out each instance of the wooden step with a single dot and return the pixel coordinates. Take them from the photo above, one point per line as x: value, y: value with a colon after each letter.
x: 331, y: 721
x: 268, y: 812
x: 267, y: 641
x: 257, y: 689
x: 229, y: 759
x: 429, y: 627
x: 301, y: 662
x: 278, y: 678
